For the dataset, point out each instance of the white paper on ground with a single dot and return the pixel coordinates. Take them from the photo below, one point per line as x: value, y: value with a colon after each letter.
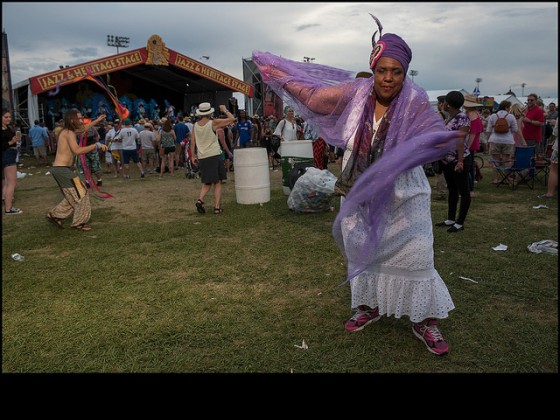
x: 500, y: 247
x: 466, y: 278
x: 303, y: 346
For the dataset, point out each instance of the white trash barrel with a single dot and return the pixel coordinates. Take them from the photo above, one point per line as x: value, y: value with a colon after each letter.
x: 292, y: 152
x: 252, y: 177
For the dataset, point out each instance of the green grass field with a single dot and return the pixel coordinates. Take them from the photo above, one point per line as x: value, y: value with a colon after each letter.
x: 157, y: 287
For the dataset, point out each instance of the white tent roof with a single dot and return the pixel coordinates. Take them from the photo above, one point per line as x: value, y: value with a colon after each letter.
x: 433, y: 94
x: 512, y: 98
x: 546, y: 101
x: 522, y: 100
x: 20, y: 84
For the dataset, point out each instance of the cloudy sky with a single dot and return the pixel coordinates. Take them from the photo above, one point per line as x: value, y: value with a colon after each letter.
x: 505, y: 44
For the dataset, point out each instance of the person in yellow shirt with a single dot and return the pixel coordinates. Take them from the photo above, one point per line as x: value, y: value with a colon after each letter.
x: 208, y: 155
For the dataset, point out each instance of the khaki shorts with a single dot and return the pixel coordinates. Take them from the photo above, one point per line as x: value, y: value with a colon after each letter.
x: 40, y: 151
x: 502, y: 149
x: 148, y: 155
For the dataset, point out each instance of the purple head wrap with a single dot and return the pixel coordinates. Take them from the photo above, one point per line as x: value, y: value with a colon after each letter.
x: 389, y: 45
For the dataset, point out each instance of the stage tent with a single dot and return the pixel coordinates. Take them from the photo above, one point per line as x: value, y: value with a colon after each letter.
x: 151, y: 72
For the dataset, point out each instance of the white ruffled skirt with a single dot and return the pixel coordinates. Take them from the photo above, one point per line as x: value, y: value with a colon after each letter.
x: 403, y: 281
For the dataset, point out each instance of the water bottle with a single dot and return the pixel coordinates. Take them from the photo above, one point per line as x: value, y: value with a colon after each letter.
x: 18, y: 257
x: 18, y: 136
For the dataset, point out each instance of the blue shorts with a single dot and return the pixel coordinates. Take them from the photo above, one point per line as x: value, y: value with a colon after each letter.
x: 127, y: 154
x: 9, y: 157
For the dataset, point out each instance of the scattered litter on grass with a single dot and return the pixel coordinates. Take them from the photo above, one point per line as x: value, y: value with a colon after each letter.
x: 549, y: 246
x: 540, y: 206
x: 20, y: 175
x: 47, y: 173
x: 319, y: 294
x: 466, y: 278
x: 303, y: 346
x: 196, y: 223
x: 92, y: 236
x: 500, y: 247
x: 19, y: 257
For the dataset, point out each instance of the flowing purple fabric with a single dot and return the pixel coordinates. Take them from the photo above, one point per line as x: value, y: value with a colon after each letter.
x: 334, y: 102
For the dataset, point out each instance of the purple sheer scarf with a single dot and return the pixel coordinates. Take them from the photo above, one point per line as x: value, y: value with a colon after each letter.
x: 335, y: 103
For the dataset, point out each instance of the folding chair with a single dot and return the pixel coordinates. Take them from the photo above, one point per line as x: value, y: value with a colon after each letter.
x: 519, y: 170
x: 542, y: 168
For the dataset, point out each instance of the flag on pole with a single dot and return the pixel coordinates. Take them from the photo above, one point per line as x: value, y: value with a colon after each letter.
x: 476, y: 91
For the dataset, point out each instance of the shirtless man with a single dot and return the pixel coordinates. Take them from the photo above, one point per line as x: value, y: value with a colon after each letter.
x: 75, y: 194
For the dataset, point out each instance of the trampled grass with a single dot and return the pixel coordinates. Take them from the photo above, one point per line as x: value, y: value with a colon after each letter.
x: 157, y: 287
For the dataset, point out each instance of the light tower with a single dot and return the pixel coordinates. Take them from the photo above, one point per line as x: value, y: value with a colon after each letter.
x: 117, y: 41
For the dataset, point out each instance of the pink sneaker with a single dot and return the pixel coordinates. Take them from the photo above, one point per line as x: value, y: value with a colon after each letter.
x: 364, y: 315
x: 429, y: 334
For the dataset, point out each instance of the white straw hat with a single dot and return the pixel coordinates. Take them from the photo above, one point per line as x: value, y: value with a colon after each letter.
x: 204, y: 109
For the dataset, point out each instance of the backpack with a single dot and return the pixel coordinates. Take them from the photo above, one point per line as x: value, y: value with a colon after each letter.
x: 275, y: 142
x: 501, y: 126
